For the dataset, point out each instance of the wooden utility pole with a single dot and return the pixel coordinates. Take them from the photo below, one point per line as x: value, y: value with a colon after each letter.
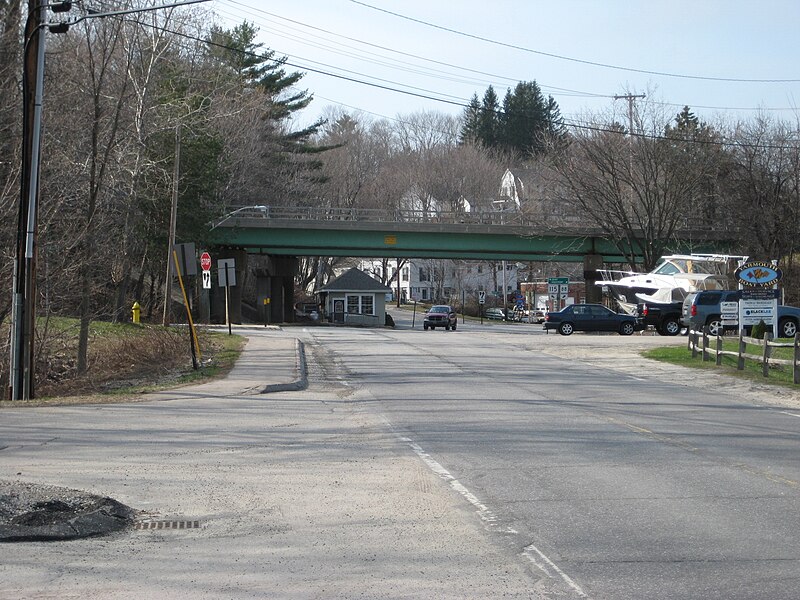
x: 173, y: 223
x: 631, y: 98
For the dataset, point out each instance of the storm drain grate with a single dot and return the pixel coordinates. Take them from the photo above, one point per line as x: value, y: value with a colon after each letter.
x: 167, y: 525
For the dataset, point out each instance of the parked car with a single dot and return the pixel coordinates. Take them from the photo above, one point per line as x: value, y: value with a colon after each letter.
x: 440, y: 315
x: 538, y: 316
x: 497, y: 314
x: 591, y: 317
x: 705, y: 308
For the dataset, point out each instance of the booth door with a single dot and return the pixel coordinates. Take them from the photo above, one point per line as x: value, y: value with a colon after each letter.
x: 338, y: 311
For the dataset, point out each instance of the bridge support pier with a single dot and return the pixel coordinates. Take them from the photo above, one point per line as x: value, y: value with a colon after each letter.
x: 592, y: 262
x: 275, y: 289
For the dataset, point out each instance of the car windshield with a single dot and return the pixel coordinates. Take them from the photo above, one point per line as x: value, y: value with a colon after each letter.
x: 439, y: 309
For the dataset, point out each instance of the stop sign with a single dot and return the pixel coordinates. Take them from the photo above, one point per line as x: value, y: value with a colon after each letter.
x: 205, y: 261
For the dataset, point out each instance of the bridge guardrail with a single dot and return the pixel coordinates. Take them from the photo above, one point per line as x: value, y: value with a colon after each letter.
x: 379, y: 215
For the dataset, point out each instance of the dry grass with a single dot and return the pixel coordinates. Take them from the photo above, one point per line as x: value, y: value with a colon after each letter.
x: 125, y: 361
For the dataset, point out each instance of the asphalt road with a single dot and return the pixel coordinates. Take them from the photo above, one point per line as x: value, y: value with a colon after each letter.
x: 491, y: 461
x: 618, y: 482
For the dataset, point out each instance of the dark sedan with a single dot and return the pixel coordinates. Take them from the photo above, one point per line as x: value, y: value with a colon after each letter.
x: 591, y: 317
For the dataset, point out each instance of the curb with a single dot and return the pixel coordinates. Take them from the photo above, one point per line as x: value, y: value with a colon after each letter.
x: 301, y: 382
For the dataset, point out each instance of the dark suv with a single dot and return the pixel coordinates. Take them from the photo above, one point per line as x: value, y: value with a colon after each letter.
x: 440, y: 315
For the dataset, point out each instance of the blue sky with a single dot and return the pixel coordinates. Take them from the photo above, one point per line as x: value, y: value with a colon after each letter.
x: 707, y: 54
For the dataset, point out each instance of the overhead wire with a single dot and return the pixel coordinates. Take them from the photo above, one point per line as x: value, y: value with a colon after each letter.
x: 567, y: 122
x: 571, y: 59
x: 494, y: 78
x: 554, y: 90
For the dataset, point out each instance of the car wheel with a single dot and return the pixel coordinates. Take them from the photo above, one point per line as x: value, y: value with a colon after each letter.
x: 447, y: 327
x: 715, y: 326
x: 670, y: 327
x: 787, y: 328
x: 627, y: 328
x: 425, y: 327
x: 454, y: 326
x: 566, y: 329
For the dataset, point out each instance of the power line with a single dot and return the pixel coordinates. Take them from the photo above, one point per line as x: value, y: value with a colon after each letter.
x: 557, y: 91
x: 494, y: 76
x: 568, y: 58
x: 567, y: 122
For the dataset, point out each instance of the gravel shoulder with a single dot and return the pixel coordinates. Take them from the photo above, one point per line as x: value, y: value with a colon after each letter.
x: 624, y: 355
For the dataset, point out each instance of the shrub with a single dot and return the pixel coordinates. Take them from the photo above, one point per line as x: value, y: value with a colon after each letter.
x: 759, y: 329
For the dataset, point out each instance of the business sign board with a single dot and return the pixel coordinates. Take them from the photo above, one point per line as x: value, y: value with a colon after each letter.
x: 753, y: 311
x: 758, y: 274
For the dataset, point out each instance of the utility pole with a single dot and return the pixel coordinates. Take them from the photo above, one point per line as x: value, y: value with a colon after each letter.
x: 23, y: 300
x: 631, y: 98
x: 173, y: 223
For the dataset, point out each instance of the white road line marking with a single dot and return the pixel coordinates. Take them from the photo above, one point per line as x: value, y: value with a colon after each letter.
x: 490, y: 519
x: 566, y: 578
x: 783, y: 412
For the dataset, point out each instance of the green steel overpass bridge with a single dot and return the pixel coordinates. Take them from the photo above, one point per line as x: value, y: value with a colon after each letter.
x: 375, y: 233
x: 283, y: 234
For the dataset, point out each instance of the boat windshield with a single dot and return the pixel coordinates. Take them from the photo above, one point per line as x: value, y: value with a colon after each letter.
x: 672, y: 266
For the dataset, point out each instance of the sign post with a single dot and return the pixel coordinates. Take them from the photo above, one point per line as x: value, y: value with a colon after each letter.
x: 557, y: 289
x: 205, y: 265
x: 227, y: 278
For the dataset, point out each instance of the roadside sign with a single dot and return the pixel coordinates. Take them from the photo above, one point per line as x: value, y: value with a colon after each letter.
x: 753, y: 311
x: 552, y: 288
x: 227, y: 272
x: 206, y: 280
x: 758, y: 274
x: 187, y: 263
x: 205, y: 261
x: 481, y: 297
x: 729, y: 313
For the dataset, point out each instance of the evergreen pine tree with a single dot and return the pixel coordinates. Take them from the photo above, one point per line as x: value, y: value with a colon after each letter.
x: 489, y: 121
x: 471, y: 121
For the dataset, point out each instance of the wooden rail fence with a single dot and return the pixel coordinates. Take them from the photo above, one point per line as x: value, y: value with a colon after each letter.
x: 700, y: 342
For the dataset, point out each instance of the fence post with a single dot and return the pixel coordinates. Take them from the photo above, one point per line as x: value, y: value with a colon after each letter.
x: 693, y: 339
x: 742, y: 348
x: 719, y: 350
x: 765, y: 365
x: 795, y: 369
x: 705, y: 343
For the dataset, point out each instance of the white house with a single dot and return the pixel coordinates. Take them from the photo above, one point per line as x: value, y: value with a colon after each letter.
x: 443, y: 280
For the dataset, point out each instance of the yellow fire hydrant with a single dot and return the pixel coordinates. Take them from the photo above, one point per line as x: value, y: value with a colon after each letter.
x: 137, y: 311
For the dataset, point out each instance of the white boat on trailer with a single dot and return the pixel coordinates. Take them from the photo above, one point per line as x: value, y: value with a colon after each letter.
x: 675, y: 276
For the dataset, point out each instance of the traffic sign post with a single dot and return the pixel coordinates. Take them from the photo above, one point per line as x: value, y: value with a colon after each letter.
x: 205, y: 261
x: 227, y: 279
x: 557, y: 289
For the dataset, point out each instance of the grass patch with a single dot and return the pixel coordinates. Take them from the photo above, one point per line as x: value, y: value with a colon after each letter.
x: 778, y: 374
